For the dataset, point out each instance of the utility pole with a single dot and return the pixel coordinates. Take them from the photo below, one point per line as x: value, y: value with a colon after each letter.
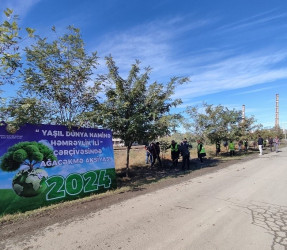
x: 243, y: 113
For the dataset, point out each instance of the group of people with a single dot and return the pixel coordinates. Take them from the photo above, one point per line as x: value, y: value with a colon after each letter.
x: 153, y: 153
x: 270, y: 141
x: 182, y: 150
x: 177, y: 150
x: 243, y: 145
x: 230, y: 146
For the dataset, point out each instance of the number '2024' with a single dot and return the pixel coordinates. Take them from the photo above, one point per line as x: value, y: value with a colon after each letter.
x: 75, y: 183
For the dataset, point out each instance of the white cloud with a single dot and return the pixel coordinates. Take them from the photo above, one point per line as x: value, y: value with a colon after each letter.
x: 151, y: 43
x: 260, y: 19
x: 254, y: 91
x: 235, y: 72
x: 211, y: 70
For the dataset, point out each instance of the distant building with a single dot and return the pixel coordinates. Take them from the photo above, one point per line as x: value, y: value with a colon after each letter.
x: 117, y: 142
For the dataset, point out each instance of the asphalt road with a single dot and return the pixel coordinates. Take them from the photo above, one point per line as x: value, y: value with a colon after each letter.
x: 241, y: 207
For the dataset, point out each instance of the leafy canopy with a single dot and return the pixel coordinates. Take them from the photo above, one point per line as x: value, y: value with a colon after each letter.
x: 218, y: 123
x: 135, y: 110
x: 10, y: 59
x: 58, y: 86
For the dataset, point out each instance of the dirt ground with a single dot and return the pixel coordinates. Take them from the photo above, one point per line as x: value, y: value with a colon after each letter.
x: 142, y: 180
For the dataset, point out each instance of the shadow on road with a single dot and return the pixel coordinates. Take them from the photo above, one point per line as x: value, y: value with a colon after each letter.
x: 139, y: 175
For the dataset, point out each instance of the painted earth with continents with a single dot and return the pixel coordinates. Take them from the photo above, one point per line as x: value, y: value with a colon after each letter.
x: 29, y: 183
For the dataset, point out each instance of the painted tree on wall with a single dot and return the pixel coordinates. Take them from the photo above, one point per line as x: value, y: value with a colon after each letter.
x: 29, y: 181
x: 26, y: 153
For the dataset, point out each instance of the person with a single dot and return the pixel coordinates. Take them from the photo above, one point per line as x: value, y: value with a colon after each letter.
x: 225, y: 144
x: 217, y: 148
x: 184, y: 149
x: 157, y: 147
x: 155, y: 151
x: 148, y: 158
x: 245, y: 145
x: 174, y: 150
x: 200, y: 150
x: 260, y: 145
x: 270, y: 143
x: 276, y: 143
x: 231, y: 148
x: 239, y: 145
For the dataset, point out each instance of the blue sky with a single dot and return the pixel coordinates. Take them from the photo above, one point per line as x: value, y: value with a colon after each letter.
x: 233, y: 51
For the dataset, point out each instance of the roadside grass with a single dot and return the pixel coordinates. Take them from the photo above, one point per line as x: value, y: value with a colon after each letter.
x: 20, y: 215
x: 141, y: 174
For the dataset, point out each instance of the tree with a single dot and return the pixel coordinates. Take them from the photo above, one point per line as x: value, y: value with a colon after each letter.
x: 266, y: 133
x: 26, y: 153
x: 10, y: 54
x: 218, y: 123
x: 163, y: 147
x: 58, y: 85
x: 10, y: 59
x: 247, y: 127
x: 135, y: 110
x: 21, y: 110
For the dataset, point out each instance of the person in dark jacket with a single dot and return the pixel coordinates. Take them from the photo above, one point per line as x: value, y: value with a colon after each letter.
x: 245, y: 142
x: 184, y: 149
x: 155, y: 151
x: 260, y: 145
x: 217, y: 148
x: 270, y: 141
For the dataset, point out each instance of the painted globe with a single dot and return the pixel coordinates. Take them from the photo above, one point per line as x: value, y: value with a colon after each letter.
x: 29, y: 183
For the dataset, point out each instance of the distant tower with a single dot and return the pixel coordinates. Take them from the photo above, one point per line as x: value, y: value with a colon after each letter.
x: 277, y: 112
x: 243, y: 113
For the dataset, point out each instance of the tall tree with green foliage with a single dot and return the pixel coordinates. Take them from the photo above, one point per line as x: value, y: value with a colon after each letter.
x: 58, y: 81
x: 10, y: 55
x: 266, y: 133
x: 218, y: 123
x: 21, y: 110
x: 134, y: 109
x: 10, y: 59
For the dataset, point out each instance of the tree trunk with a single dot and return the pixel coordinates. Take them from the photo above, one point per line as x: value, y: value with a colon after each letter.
x: 128, y: 159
